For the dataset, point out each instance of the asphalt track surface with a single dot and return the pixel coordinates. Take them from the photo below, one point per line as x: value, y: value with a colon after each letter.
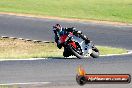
x: 60, y: 72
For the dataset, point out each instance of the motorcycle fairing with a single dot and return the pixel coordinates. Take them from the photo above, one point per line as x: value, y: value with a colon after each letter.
x: 86, y: 48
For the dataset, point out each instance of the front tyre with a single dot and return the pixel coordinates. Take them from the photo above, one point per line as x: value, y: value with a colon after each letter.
x: 95, y: 52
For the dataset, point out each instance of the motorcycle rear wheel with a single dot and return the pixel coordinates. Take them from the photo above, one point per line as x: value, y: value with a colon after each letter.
x: 74, y: 52
x: 66, y: 52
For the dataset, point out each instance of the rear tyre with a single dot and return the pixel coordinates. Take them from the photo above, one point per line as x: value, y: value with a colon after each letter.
x: 74, y: 52
x: 66, y: 54
x: 95, y: 52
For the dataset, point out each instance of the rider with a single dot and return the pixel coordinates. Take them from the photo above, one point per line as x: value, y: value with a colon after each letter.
x: 62, y: 31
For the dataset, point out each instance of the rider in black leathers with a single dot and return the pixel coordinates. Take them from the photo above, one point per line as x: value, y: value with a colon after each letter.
x: 58, y: 30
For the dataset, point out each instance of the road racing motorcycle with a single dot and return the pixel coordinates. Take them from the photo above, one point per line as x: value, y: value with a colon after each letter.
x: 76, y: 46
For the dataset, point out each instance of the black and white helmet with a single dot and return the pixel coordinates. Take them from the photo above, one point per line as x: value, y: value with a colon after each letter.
x: 57, y: 26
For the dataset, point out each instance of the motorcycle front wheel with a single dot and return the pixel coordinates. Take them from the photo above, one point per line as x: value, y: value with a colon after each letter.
x: 95, y: 52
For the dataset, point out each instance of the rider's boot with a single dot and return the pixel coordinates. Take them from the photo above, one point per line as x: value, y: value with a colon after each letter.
x: 59, y: 46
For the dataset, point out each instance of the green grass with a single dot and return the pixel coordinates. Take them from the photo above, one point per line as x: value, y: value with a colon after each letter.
x: 16, y: 49
x: 104, y: 50
x: 10, y: 48
x: 7, y: 86
x: 111, y: 10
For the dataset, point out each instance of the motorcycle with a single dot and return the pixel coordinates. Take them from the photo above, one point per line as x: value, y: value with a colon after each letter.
x: 75, y: 45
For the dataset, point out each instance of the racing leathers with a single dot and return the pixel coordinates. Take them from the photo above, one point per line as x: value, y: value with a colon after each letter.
x: 65, y: 31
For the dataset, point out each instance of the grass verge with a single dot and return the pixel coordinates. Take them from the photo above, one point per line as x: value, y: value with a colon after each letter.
x: 16, y: 49
x: 110, y: 10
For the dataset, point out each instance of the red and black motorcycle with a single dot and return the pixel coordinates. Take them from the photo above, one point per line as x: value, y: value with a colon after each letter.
x: 75, y: 45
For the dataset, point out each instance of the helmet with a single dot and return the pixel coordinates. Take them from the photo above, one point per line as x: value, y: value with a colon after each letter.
x: 57, y: 27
